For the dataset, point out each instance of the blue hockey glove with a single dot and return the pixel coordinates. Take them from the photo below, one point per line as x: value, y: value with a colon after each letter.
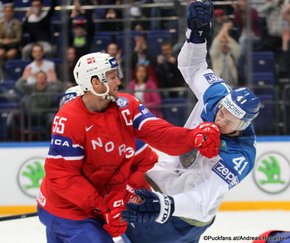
x: 155, y: 207
x: 199, y: 16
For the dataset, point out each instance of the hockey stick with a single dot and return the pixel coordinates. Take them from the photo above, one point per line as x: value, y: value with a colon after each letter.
x: 18, y: 216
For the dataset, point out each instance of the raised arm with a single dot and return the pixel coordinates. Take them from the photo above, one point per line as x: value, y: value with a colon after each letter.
x: 192, y: 57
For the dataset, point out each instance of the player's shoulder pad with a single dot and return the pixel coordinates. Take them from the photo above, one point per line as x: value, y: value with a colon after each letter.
x: 70, y: 108
x: 237, y: 160
x: 216, y: 92
x: 71, y: 113
x: 211, y: 97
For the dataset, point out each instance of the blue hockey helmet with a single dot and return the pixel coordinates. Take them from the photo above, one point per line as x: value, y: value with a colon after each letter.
x: 243, y: 104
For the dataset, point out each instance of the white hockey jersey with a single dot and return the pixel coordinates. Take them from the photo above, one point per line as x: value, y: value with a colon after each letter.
x: 198, y: 184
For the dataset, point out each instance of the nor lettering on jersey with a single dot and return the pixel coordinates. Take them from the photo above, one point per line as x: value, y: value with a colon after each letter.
x: 226, y: 173
x: 211, y: 78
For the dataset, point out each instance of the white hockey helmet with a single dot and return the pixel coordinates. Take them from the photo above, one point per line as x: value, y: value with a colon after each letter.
x: 93, y: 64
x: 70, y: 94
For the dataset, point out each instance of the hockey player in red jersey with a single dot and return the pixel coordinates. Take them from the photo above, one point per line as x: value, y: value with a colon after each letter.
x: 91, y: 154
x: 144, y: 158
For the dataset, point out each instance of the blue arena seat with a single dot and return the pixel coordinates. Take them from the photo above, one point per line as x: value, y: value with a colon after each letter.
x: 13, y: 69
x: 101, y: 40
x: 22, y: 3
x: 263, y: 61
x: 263, y: 78
x: 266, y: 123
x: 57, y: 60
x: 4, y: 124
x: 9, y: 96
x: 121, y: 38
x: 175, y: 110
x: 8, y: 86
x: 155, y: 38
x: 286, y: 109
x: 9, y: 103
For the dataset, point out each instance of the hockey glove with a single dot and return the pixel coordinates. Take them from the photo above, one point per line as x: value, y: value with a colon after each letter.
x: 131, y: 196
x: 115, y: 225
x: 207, y: 139
x: 155, y: 207
x: 198, y: 16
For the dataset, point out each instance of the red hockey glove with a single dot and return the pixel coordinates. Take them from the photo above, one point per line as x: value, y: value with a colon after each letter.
x: 207, y: 139
x: 115, y: 225
x: 131, y: 196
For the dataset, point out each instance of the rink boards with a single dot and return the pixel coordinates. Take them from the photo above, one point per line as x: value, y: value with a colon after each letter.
x: 267, y: 187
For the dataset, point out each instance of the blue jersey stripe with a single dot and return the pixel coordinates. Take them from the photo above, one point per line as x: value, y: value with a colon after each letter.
x: 63, y: 147
x: 142, y: 116
x: 65, y: 158
x: 140, y: 146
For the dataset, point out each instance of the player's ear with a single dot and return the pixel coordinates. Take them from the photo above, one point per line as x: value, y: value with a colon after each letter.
x: 95, y: 81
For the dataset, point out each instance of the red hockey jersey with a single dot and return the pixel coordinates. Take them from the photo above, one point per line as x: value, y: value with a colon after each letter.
x: 92, y: 153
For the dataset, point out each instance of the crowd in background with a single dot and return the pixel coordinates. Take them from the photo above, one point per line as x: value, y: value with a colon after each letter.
x: 34, y: 38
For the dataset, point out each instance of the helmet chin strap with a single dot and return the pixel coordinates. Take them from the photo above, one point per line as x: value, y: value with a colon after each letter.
x: 104, y: 95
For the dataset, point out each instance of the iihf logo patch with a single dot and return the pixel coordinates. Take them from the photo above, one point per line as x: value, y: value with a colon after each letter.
x: 122, y: 102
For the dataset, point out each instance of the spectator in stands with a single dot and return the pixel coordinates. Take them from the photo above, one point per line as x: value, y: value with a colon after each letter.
x: 39, y: 99
x: 277, y: 26
x: 67, y: 72
x: 259, y: 5
x: 1, y: 9
x: 111, y: 22
x: 39, y: 64
x: 225, y: 53
x: 162, y: 11
x: 37, y: 25
x: 219, y: 18
x: 114, y: 51
x: 82, y: 27
x: 41, y: 84
x: 87, y: 2
x: 240, y: 17
x: 286, y: 40
x: 141, y: 55
x: 168, y: 74
x: 286, y: 12
x: 275, y: 23
x: 10, y: 35
x: 138, y: 27
x: 138, y: 23
x: 145, y: 89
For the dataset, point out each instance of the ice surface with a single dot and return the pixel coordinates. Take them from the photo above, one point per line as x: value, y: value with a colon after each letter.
x: 227, y: 224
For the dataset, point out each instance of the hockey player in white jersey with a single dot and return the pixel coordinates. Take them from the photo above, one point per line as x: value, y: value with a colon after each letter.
x: 189, y: 189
